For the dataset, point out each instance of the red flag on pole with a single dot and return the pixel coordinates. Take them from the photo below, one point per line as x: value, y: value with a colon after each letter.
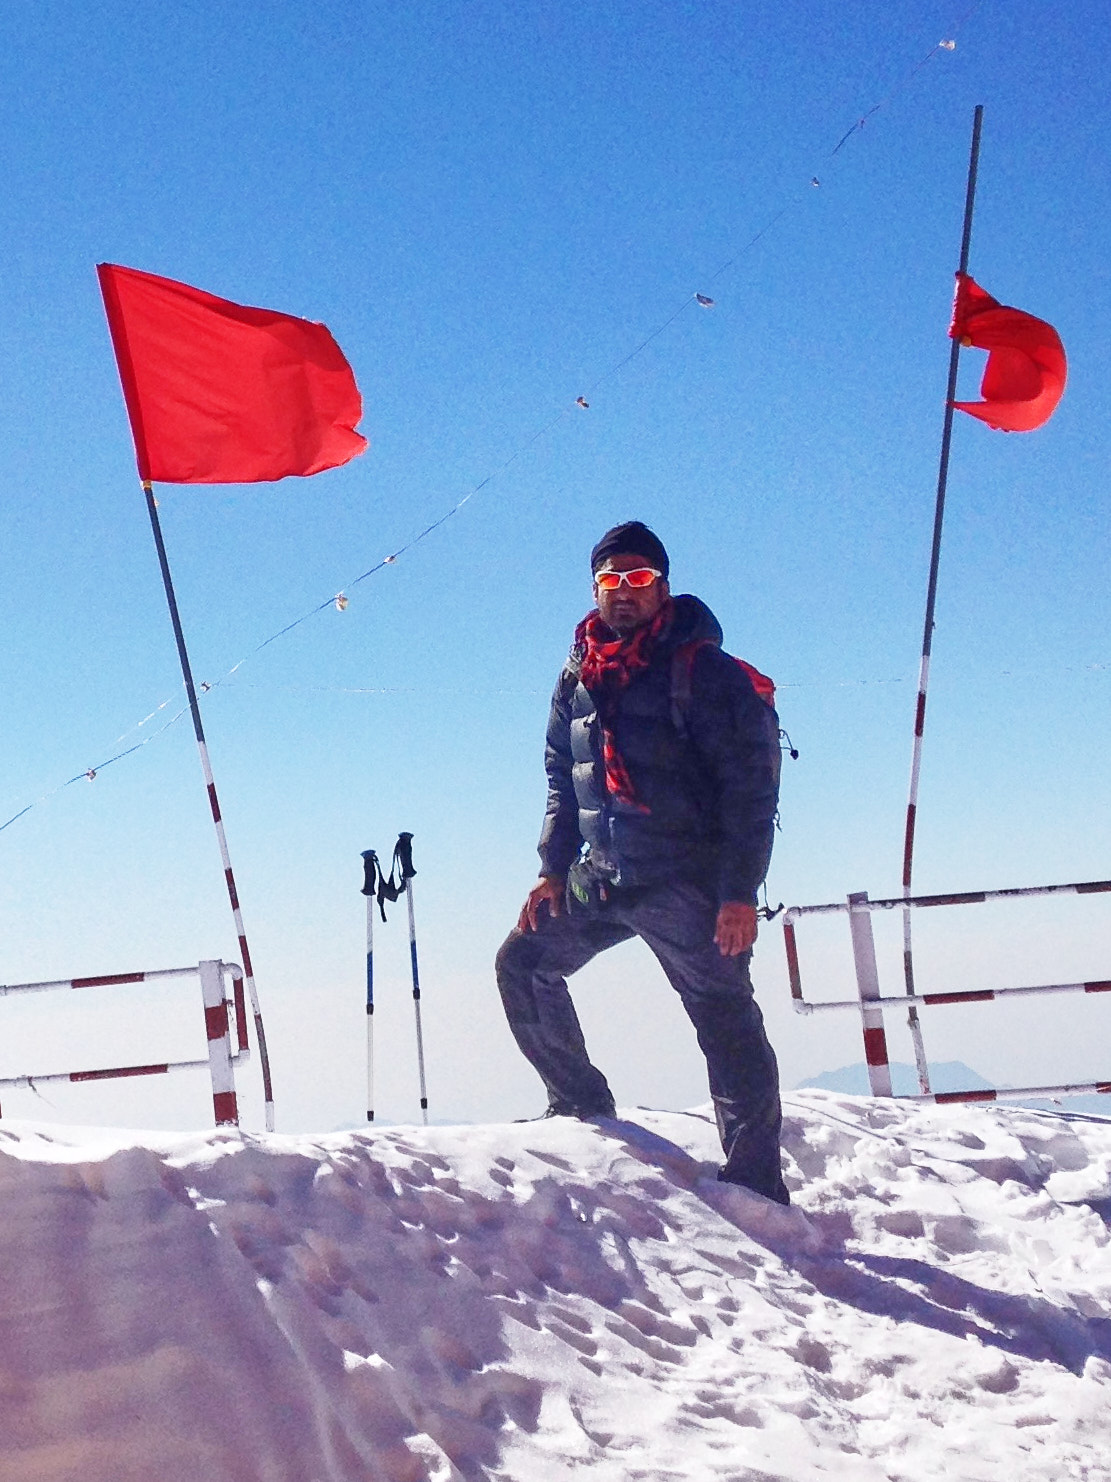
x: 219, y: 393
x: 1025, y: 374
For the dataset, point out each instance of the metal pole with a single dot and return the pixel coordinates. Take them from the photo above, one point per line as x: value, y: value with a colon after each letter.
x: 370, y: 872
x: 404, y: 855
x: 225, y: 1107
x: 868, y: 989
x: 214, y: 803
x: 416, y: 1001
x: 931, y: 598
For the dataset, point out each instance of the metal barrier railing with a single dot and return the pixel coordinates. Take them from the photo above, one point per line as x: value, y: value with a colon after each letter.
x: 870, y: 1002
x: 221, y: 1060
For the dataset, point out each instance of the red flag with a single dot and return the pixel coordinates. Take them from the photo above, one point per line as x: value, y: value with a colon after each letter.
x: 1025, y: 375
x: 218, y: 393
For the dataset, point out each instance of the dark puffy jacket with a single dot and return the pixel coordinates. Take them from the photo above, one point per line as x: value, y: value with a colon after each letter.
x: 711, y: 793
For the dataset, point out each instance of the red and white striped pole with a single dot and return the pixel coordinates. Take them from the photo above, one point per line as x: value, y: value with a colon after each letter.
x: 224, y: 1105
x: 214, y: 802
x: 868, y: 988
x: 928, y: 633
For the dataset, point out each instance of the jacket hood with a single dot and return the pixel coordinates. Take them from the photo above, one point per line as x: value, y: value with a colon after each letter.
x: 691, y: 621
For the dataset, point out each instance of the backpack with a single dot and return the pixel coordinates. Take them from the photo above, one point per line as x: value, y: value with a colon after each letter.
x: 682, y: 667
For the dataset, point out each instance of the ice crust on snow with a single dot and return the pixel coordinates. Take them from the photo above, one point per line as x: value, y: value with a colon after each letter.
x: 553, y: 1299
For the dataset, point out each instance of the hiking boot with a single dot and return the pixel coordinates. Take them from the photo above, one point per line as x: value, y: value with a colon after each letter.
x: 778, y: 1194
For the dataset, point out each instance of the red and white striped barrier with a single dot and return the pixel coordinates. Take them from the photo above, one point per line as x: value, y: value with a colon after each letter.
x: 221, y: 1059
x: 1079, y: 1088
x: 869, y: 1002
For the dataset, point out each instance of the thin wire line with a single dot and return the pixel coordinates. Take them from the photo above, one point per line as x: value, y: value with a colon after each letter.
x: 600, y: 380
x: 91, y: 772
x: 785, y: 684
x: 386, y: 690
x: 528, y: 442
x: 900, y: 87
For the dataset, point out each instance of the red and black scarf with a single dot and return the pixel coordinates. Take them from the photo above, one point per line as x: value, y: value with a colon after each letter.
x: 608, y: 664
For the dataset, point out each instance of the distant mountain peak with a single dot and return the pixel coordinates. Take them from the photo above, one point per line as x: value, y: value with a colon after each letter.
x: 945, y: 1075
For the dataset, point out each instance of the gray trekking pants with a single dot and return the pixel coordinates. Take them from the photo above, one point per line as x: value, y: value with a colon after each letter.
x: 677, y: 921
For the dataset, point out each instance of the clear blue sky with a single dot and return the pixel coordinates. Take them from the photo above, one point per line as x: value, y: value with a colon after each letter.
x: 491, y: 206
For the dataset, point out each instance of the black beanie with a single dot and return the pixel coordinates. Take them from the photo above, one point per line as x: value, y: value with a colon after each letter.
x: 630, y: 539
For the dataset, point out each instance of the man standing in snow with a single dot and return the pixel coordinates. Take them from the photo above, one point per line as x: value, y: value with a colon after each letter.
x: 663, y: 772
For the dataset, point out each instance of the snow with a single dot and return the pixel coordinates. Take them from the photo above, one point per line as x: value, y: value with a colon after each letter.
x: 553, y: 1299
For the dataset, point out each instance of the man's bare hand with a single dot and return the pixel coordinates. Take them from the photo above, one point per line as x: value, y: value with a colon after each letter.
x: 548, y: 888
x: 735, y: 931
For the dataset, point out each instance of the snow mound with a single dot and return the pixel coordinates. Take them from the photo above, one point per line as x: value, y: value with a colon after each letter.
x: 542, y: 1300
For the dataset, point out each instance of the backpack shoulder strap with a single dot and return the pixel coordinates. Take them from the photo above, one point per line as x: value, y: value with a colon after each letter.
x: 682, y: 667
x: 763, y: 686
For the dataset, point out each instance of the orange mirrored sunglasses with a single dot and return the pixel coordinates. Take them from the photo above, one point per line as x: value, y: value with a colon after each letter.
x: 639, y: 578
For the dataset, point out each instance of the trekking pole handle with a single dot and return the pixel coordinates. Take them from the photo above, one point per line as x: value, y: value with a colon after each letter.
x: 404, y: 851
x: 370, y: 871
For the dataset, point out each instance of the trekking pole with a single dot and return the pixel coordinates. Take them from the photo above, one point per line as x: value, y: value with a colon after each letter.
x: 370, y: 873
x: 403, y: 854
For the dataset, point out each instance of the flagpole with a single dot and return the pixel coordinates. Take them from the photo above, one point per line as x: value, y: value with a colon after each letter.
x: 931, y: 598
x: 214, y: 802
